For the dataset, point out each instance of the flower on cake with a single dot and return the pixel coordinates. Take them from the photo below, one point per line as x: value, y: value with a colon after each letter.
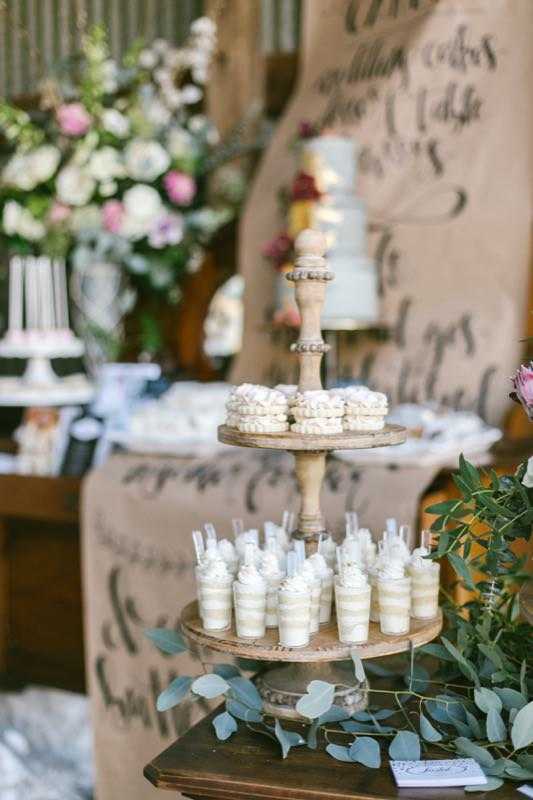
x: 523, y: 388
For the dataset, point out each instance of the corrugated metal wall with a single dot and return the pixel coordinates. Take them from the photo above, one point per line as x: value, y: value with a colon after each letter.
x: 37, y: 33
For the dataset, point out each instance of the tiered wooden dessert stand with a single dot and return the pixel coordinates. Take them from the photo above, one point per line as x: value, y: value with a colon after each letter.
x: 325, y: 658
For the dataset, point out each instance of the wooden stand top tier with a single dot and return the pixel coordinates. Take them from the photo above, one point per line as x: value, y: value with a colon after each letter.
x: 310, y: 277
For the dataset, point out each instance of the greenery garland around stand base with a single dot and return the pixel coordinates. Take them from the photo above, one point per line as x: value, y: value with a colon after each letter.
x: 470, y: 694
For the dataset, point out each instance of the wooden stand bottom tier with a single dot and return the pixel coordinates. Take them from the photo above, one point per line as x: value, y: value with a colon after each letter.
x: 324, y: 658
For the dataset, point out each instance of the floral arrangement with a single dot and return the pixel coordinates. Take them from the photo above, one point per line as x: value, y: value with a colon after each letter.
x: 470, y: 694
x: 113, y: 166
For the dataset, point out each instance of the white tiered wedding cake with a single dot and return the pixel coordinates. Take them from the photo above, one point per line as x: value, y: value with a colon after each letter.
x: 341, y: 216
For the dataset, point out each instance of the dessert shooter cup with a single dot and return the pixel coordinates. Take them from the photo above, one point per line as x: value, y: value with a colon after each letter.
x: 271, y: 618
x: 425, y: 585
x: 374, y: 597
x: 314, y: 612
x: 250, y: 610
x: 214, y: 601
x: 294, y: 617
x: 394, y: 606
x: 326, y: 598
x: 353, y: 613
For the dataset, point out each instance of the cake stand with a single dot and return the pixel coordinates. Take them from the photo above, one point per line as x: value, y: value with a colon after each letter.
x: 325, y: 658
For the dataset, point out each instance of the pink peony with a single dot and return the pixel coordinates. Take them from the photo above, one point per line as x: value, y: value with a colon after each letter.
x: 180, y: 187
x: 523, y: 388
x: 58, y: 213
x: 112, y: 215
x: 73, y: 119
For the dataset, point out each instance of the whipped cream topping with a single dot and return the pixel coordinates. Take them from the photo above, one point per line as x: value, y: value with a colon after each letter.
x: 420, y: 551
x: 328, y: 547
x: 254, y: 393
x: 249, y: 575
x: 287, y: 389
x: 296, y: 584
x: 397, y: 550
x: 318, y: 425
x: 318, y: 398
x: 307, y: 571
x: 361, y: 395
x: 392, y: 570
x: 319, y: 565
x: 353, y: 577
x: 419, y: 560
x: 270, y: 568
x: 217, y: 570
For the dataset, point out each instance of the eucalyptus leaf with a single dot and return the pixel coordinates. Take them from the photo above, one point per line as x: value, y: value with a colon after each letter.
x: 462, y: 728
x: 405, y: 746
x: 496, y: 730
x: 210, y: 686
x: 339, y: 752
x: 492, y: 783
x: 473, y: 724
x: 438, y: 712
x: 317, y: 701
x: 522, y: 729
x: 242, y: 712
x: 380, y: 713
x: 492, y: 654
x: 224, y: 725
x: 333, y: 714
x: 520, y: 773
x: 378, y: 669
x: 525, y: 760
x: 479, y: 754
x: 485, y: 699
x: 523, y: 683
x: 365, y: 750
x: 174, y: 693
x: 352, y: 726
x: 427, y: 731
x: 358, y: 665
x: 166, y: 640
x: 462, y: 569
x: 226, y: 671
x: 417, y: 678
x: 464, y: 665
x: 498, y: 768
x: 511, y: 698
x: 245, y: 691
x: 287, y: 739
x: 438, y: 651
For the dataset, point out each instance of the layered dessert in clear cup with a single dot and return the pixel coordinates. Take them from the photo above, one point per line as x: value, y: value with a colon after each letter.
x: 394, y: 594
x: 214, y: 582
x: 294, y: 611
x: 352, y: 602
x: 272, y: 574
x: 425, y: 584
x: 326, y: 576
x: 249, y: 594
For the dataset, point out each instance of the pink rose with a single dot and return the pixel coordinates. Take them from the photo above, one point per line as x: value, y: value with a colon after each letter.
x: 58, y: 213
x: 523, y: 388
x: 180, y: 187
x: 73, y: 119
x: 112, y: 215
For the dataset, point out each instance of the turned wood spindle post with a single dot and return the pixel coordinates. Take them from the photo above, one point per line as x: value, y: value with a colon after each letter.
x: 310, y: 276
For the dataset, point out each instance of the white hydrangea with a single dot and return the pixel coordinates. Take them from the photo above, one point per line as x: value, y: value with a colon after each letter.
x: 27, y: 171
x: 191, y: 94
x: 157, y: 113
x: 116, y: 123
x: 106, y: 164
x: 18, y: 221
x: 180, y: 143
x: 145, y: 160
x: 75, y: 185
x: 147, y: 59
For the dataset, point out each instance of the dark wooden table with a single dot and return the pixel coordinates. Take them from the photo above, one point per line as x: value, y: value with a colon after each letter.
x: 249, y: 767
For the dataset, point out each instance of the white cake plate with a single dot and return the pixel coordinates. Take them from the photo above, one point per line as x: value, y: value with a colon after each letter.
x: 70, y: 348
x: 71, y: 391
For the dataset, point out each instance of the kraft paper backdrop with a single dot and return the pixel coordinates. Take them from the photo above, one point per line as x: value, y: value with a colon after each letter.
x: 438, y: 94
x: 138, y: 515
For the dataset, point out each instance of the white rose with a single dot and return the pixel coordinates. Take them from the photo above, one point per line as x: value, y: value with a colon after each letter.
x: 157, y: 114
x: 18, y: 221
x: 74, y: 186
x: 147, y: 59
x: 106, y: 164
x: 527, y: 480
x: 116, y: 123
x: 142, y: 205
x: 108, y: 188
x: 145, y: 160
x: 16, y: 173
x: 11, y: 217
x: 43, y: 162
x: 29, y: 227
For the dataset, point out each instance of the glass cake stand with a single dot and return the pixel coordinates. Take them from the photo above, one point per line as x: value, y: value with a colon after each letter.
x: 325, y: 658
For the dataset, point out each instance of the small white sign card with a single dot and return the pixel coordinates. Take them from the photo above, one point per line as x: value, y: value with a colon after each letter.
x: 440, y: 772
